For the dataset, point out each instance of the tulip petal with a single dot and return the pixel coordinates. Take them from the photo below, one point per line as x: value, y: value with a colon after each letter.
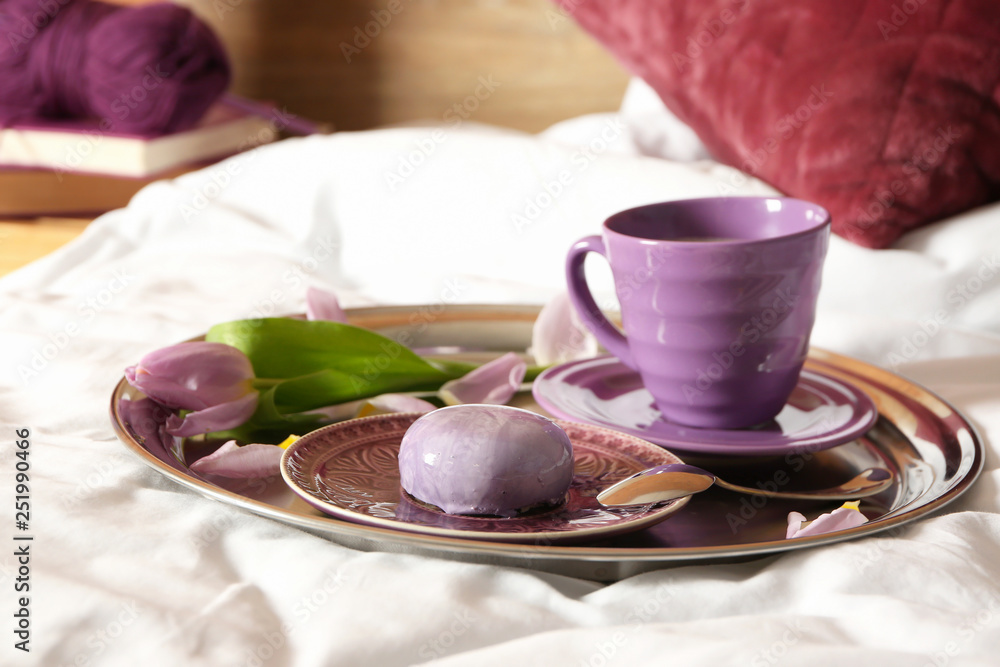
x: 193, y: 376
x: 377, y: 405
x: 495, y: 382
x: 559, y: 336
x: 323, y: 305
x: 147, y: 419
x: 164, y: 391
x: 389, y: 403
x: 246, y: 462
x: 795, y: 521
x: 338, y: 412
x: 216, y: 418
x: 841, y: 518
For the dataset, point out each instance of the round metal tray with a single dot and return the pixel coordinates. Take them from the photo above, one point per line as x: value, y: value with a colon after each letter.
x: 931, y: 449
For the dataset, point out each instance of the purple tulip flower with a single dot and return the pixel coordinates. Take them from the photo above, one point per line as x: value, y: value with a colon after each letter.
x: 212, y: 380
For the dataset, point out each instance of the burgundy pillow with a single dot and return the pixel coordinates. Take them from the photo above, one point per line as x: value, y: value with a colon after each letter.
x: 886, y: 112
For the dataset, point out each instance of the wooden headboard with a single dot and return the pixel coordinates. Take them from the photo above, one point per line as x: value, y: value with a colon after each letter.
x: 363, y: 63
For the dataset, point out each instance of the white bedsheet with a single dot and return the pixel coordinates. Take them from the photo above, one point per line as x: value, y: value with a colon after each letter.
x: 128, y: 568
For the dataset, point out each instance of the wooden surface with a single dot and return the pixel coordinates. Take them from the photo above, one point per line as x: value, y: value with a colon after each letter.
x: 23, y: 241
x: 314, y: 57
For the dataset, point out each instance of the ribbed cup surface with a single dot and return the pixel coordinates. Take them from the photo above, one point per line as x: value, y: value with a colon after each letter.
x: 718, y: 329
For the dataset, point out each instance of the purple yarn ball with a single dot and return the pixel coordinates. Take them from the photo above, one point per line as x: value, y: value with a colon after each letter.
x: 156, y: 66
x: 20, y: 93
x: 147, y: 70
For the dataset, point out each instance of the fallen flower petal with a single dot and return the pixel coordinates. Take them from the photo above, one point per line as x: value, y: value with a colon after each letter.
x: 842, y: 518
x: 338, y: 412
x: 246, y: 462
x: 559, y: 336
x: 323, y: 305
x: 795, y: 521
x: 377, y: 405
x: 389, y: 403
x: 494, y: 383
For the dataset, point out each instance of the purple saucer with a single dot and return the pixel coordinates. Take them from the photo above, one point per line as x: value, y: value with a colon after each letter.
x: 350, y: 471
x: 822, y: 412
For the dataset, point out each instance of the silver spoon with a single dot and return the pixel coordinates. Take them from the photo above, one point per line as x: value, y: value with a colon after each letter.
x: 677, y: 480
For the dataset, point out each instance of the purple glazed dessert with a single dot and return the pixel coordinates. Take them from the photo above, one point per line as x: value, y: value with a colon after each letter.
x: 485, y: 459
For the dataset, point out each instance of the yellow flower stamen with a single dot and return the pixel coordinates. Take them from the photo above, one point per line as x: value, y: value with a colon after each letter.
x: 284, y: 444
x: 367, y: 410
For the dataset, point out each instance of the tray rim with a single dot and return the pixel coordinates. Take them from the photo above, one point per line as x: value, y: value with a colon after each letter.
x: 524, y: 554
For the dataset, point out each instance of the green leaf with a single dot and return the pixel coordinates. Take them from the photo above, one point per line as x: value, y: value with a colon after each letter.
x: 305, y: 365
x: 331, y: 387
x: 282, y: 347
x: 322, y: 363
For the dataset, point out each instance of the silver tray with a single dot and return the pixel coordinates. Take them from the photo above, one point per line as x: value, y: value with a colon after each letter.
x: 933, y: 451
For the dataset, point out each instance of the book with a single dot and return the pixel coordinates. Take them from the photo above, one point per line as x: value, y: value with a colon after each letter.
x: 67, y: 147
x: 27, y: 193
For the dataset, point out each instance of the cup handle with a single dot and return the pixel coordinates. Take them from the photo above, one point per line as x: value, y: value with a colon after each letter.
x: 607, y: 334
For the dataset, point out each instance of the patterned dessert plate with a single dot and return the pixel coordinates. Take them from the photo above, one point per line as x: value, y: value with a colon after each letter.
x: 350, y: 471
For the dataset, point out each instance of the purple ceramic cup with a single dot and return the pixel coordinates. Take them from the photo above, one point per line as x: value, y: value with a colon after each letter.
x: 718, y: 298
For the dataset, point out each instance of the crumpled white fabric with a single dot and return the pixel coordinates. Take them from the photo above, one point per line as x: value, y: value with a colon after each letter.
x: 130, y: 568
